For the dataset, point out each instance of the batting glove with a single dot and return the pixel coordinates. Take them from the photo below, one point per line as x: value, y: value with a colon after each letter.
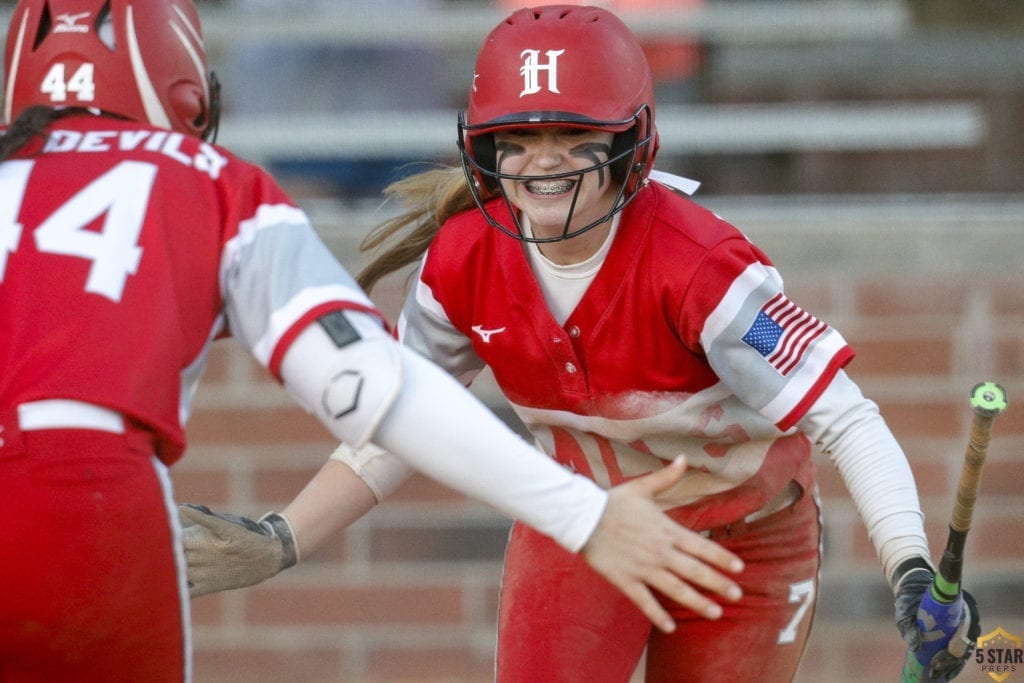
x: 228, y: 551
x: 914, y: 579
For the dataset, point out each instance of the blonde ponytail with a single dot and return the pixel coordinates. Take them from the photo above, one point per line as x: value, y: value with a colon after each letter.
x: 429, y: 199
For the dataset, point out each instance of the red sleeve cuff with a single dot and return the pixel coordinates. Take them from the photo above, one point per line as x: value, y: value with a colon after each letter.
x: 842, y: 357
x: 285, y: 342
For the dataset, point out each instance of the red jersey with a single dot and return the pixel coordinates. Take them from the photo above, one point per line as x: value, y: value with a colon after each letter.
x: 125, y: 250
x: 683, y: 343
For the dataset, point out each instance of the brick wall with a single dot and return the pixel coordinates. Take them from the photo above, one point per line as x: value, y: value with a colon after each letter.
x: 930, y: 294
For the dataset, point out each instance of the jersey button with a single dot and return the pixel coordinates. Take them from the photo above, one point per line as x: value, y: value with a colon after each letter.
x: 574, y: 332
x: 570, y: 368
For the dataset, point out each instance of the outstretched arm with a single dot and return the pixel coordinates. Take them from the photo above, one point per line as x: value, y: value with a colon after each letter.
x: 635, y: 546
x: 374, y: 389
x: 329, y: 503
x: 225, y: 551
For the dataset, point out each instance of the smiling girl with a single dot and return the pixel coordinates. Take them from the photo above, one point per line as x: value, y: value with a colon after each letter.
x: 625, y: 325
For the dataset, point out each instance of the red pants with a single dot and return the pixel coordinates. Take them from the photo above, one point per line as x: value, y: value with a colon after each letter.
x: 560, y: 621
x: 92, y: 580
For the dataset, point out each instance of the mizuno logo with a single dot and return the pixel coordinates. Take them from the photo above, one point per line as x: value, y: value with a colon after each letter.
x: 68, y: 23
x: 485, y: 335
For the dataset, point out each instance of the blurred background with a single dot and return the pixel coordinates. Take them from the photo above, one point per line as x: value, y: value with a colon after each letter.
x: 874, y: 149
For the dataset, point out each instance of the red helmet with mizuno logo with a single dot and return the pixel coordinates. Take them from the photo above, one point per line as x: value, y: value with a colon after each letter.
x: 561, y: 65
x: 139, y: 59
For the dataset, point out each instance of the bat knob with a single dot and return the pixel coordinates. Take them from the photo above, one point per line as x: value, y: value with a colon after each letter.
x: 988, y: 399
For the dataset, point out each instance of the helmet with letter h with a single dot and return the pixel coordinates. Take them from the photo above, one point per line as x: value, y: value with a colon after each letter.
x: 557, y: 66
x: 142, y: 60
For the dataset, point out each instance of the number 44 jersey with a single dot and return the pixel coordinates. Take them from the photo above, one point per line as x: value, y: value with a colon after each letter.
x: 125, y: 250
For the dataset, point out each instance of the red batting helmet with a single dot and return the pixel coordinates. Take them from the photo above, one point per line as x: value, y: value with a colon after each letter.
x: 561, y: 65
x: 139, y: 59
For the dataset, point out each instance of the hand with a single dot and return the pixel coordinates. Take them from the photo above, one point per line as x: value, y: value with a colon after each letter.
x: 227, y: 551
x: 946, y: 664
x: 637, y: 547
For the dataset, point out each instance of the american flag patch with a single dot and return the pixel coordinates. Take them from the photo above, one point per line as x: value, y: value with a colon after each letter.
x: 781, y: 333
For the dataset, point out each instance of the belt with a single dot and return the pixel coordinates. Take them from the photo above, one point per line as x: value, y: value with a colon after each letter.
x: 784, y: 499
x: 65, y: 414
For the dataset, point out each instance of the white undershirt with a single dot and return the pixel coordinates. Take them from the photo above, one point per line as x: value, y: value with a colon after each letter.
x: 564, y: 285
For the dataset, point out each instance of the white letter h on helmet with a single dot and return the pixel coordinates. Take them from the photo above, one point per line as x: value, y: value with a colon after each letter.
x: 531, y: 68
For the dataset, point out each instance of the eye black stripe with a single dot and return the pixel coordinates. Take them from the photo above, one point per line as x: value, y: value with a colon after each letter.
x: 507, y: 150
x: 592, y: 152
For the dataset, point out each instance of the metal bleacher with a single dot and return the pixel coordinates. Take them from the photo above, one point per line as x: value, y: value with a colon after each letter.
x: 728, y: 30
x: 458, y: 28
x: 704, y: 129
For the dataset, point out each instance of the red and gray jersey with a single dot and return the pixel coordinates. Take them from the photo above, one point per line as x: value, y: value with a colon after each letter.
x: 125, y: 250
x: 683, y: 343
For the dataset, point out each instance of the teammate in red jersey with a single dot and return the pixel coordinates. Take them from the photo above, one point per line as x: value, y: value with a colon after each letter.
x: 626, y: 324
x: 128, y: 244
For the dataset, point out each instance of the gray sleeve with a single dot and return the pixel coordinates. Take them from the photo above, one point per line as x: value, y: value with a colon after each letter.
x: 425, y: 328
x: 274, y: 273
